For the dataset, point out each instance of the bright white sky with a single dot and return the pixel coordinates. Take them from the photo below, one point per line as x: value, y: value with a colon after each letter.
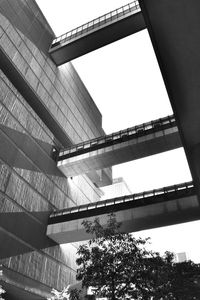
x: 126, y: 84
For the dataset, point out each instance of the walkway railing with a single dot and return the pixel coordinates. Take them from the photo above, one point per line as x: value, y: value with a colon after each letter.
x: 119, y: 136
x: 110, y: 17
x: 173, y: 191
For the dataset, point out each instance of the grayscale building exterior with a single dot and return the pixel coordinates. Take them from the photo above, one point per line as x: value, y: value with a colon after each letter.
x: 42, y: 108
x: 45, y: 109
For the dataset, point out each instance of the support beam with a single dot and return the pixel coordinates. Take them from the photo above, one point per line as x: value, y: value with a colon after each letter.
x: 133, y: 143
x: 167, y: 206
x: 18, y: 286
x: 97, y: 33
x: 174, y: 28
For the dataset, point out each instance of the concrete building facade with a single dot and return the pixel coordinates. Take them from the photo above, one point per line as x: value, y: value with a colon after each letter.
x: 118, y: 188
x: 42, y: 108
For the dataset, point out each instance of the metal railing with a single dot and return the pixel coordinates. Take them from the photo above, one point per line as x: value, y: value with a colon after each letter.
x: 138, y: 130
x: 114, y: 15
x: 184, y: 188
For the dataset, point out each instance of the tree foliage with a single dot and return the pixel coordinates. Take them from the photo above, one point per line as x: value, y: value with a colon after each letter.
x: 119, y: 266
x: 2, y: 291
x: 65, y: 294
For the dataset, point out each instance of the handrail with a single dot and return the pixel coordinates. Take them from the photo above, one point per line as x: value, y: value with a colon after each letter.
x: 183, y: 187
x: 128, y: 133
x: 102, y: 20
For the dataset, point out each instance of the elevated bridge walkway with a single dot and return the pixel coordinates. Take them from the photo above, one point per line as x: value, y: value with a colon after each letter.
x: 133, y: 143
x: 160, y: 207
x: 97, y: 33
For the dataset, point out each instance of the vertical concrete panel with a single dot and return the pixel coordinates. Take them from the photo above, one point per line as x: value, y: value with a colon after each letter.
x: 174, y: 31
x: 26, y: 184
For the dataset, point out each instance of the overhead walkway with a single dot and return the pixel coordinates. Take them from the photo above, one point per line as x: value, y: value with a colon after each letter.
x: 133, y: 143
x: 97, y: 33
x: 160, y: 207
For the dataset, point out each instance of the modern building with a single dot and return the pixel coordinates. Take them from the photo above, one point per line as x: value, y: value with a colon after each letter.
x: 44, y: 108
x: 118, y: 188
x: 181, y: 257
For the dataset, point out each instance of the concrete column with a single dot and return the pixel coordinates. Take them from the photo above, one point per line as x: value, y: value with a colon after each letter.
x: 174, y: 28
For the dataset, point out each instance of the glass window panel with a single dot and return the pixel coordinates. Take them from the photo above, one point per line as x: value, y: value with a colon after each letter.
x: 101, y: 141
x: 82, y: 208
x: 119, y: 201
x: 114, y: 13
x: 127, y: 199
x: 125, y: 8
x: 132, y: 4
x: 73, y: 210
x: 66, y: 212
x: 159, y: 192
x: 117, y: 136
x: 64, y: 36
x: 96, y: 21
x: 79, y: 147
x: 120, y: 10
x: 100, y: 204
x: 93, y: 143
x: 72, y: 150
x: 181, y: 188
x: 73, y: 31
x: 102, y: 18
x: 79, y: 29
x: 109, y: 203
x: 148, y: 126
x: 91, y: 206
x: 190, y: 185
x: 90, y: 24
x: 86, y: 145
x: 108, y: 16
x: 138, y: 196
x: 84, y: 26
x: 65, y: 152
x: 132, y: 131
x: 68, y: 34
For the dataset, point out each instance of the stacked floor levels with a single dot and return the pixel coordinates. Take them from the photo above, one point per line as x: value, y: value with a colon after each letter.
x: 42, y: 108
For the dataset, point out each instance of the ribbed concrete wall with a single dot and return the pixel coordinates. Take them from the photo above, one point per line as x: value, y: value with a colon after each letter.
x: 30, y: 184
x: 25, y: 41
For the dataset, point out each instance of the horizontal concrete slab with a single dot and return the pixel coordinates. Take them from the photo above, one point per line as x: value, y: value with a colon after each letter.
x: 18, y: 286
x: 168, y: 206
x: 97, y: 33
x: 130, y: 144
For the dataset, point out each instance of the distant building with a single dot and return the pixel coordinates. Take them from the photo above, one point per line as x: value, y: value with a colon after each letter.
x: 181, y: 257
x: 117, y: 189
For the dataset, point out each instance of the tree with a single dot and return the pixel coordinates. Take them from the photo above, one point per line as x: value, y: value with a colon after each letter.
x: 185, y: 280
x: 65, y: 294
x: 118, y: 266
x: 56, y: 295
x: 2, y: 291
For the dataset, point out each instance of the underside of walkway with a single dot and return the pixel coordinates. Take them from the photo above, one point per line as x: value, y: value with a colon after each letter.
x: 97, y: 33
x: 133, y: 143
x: 156, y: 208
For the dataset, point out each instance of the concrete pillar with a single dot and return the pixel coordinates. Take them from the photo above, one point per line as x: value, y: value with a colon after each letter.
x: 174, y: 28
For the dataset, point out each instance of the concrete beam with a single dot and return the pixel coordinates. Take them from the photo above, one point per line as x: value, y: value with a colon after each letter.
x: 110, y: 154
x: 174, y: 30
x: 97, y: 33
x: 22, y: 287
x: 167, y: 208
